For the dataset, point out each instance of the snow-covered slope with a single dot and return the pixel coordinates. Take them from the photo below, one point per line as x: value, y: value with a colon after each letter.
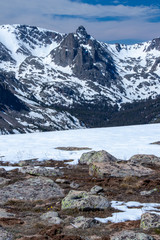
x: 58, y: 78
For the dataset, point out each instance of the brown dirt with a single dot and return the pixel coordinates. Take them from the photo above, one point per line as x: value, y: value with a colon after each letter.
x: 73, y: 148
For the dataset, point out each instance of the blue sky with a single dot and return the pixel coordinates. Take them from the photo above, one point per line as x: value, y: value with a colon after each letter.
x: 109, y: 21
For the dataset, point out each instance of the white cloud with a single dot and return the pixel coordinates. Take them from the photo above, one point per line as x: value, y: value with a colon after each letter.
x: 41, y: 13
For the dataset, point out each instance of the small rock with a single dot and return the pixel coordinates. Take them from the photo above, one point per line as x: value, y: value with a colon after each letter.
x: 4, y: 235
x: 29, y: 162
x: 82, y: 222
x: 147, y: 193
x: 149, y: 221
x: 3, y: 181
x: 40, y: 171
x: 128, y: 235
x: 96, y: 156
x: 51, y: 217
x: 83, y: 200
x: 96, y: 189
x: 59, y: 180
x: 74, y: 185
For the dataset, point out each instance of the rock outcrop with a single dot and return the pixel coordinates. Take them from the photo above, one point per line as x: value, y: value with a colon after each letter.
x: 145, y: 159
x: 37, y: 188
x: 41, y: 171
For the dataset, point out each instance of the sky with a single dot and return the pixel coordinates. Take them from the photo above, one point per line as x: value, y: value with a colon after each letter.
x: 110, y: 21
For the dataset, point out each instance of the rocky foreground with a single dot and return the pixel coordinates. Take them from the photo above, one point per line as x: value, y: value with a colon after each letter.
x: 56, y: 200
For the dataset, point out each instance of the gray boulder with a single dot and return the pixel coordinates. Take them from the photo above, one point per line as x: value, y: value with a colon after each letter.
x: 37, y: 188
x: 149, y: 221
x: 40, y: 171
x: 96, y: 156
x: 145, y: 159
x: 82, y: 222
x: 51, y: 218
x: 128, y: 235
x: 114, y: 169
x: 83, y: 200
x: 4, y: 235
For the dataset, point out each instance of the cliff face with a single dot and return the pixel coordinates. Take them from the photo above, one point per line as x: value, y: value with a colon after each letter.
x: 62, y: 81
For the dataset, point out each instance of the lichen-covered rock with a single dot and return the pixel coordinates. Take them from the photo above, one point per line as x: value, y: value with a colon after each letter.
x: 37, y: 188
x: 96, y: 156
x: 4, y: 235
x: 51, y: 218
x: 82, y: 222
x: 114, y: 169
x: 145, y: 159
x: 41, y: 171
x: 150, y: 220
x: 84, y: 200
x: 130, y: 235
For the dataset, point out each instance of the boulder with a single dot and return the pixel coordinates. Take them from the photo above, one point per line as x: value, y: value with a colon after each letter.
x: 4, y: 235
x: 40, y: 171
x: 128, y: 235
x: 114, y: 169
x: 149, y: 221
x: 37, y: 188
x: 83, y: 200
x: 96, y: 156
x: 51, y: 218
x: 82, y: 222
x: 145, y: 159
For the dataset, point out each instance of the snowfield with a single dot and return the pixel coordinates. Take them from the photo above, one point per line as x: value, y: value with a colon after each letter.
x: 122, y: 142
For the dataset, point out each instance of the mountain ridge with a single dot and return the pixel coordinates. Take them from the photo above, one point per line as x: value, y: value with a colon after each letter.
x: 62, y: 78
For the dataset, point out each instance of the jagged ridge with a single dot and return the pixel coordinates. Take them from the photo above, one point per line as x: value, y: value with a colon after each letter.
x: 71, y: 80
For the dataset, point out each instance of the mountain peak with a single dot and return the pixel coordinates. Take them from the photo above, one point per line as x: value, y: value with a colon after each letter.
x: 81, y: 31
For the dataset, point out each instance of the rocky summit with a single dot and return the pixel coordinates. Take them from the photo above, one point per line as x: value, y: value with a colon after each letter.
x: 52, y: 81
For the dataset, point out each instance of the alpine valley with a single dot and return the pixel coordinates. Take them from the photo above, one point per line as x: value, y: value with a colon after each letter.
x: 52, y: 81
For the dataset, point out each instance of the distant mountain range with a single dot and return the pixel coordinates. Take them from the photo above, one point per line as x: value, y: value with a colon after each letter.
x: 52, y: 81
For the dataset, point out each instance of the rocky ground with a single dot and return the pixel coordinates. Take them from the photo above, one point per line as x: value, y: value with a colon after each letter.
x: 56, y: 200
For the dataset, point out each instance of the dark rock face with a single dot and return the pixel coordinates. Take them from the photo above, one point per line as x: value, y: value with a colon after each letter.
x: 155, y: 44
x: 5, y: 54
